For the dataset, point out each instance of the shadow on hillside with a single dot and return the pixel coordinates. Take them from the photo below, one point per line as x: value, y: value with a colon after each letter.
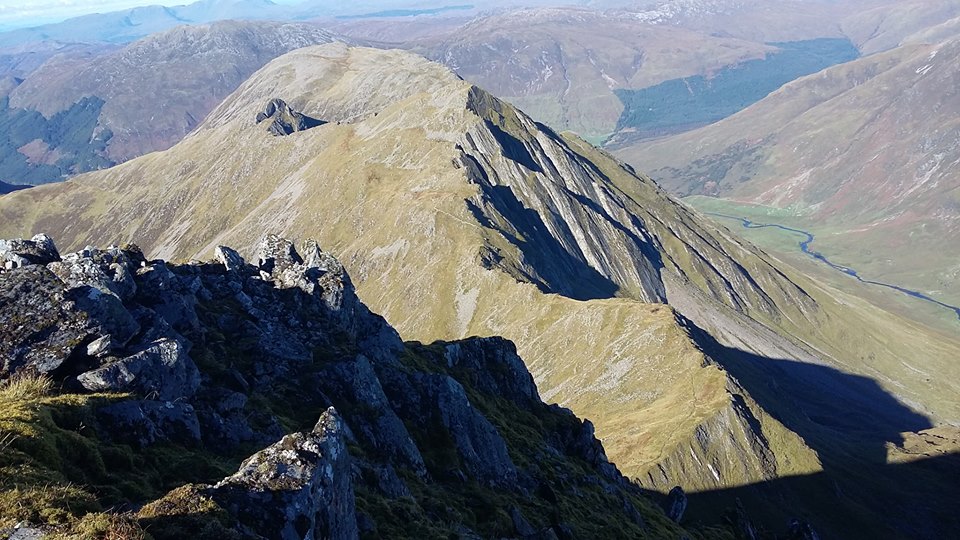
x: 548, y: 264
x: 849, y: 420
x: 916, y: 501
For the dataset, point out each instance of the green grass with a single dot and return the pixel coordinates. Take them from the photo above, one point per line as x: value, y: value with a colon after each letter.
x: 56, y: 472
x: 785, y: 245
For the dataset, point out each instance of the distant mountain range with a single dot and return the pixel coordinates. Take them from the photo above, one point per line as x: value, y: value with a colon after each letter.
x: 865, y: 155
x: 590, y: 71
x: 140, y: 98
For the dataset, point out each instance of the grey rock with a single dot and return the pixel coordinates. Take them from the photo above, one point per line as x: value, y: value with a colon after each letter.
x: 381, y: 429
x: 106, y: 313
x: 25, y: 531
x: 79, y: 271
x: 494, y: 368
x: 230, y: 259
x: 13, y: 261
x: 631, y: 511
x: 100, y: 346
x: 548, y: 534
x: 143, y: 423
x: 520, y: 524
x: 124, y: 283
x: 390, y: 484
x: 19, y: 252
x: 163, y: 370
x: 39, y: 327
x: 676, y: 504
x: 284, y: 120
x: 223, y: 418
x: 297, y: 489
x: 439, y: 399
x: 275, y: 254
x: 743, y: 527
x: 564, y: 531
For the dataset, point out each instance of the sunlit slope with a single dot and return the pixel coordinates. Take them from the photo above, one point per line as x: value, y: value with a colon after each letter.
x: 457, y: 215
x: 864, y: 155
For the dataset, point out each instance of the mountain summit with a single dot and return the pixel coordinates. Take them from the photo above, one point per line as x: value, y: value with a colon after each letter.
x: 457, y: 215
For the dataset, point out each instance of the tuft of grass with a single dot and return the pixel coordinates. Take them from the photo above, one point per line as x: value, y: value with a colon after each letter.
x: 105, y: 526
x: 25, y: 387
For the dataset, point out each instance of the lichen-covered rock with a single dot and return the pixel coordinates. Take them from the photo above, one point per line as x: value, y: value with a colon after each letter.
x: 162, y: 370
x: 297, y: 489
x: 106, y: 313
x: 19, y: 252
x: 39, y: 327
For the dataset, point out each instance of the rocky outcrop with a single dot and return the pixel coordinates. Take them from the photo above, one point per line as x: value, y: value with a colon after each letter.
x: 20, y: 252
x: 296, y: 489
x: 284, y: 120
x: 676, y: 504
x: 213, y: 358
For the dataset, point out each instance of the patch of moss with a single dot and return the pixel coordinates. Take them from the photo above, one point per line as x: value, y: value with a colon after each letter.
x: 54, y: 470
x: 187, y: 512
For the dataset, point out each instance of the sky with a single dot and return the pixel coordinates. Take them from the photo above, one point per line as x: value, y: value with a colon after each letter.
x: 29, y: 12
x: 21, y: 13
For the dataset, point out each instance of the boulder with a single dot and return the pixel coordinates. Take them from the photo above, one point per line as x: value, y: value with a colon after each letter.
x: 230, y: 259
x: 162, y: 370
x: 39, y: 329
x: 297, y: 489
x: 19, y: 252
x: 676, y: 504
x: 275, y: 254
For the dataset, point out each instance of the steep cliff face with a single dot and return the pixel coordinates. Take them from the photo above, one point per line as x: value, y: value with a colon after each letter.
x: 458, y: 216
x: 161, y: 365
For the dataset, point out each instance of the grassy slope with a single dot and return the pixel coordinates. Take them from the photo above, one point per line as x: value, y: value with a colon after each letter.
x: 853, y: 153
x: 385, y: 197
x: 382, y: 193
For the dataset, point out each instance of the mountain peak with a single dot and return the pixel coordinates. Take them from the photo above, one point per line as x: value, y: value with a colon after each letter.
x: 338, y: 83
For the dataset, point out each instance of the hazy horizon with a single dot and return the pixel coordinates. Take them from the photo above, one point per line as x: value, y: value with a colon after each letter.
x: 30, y: 13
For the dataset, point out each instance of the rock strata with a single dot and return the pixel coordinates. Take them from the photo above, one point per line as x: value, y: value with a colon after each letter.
x: 284, y: 120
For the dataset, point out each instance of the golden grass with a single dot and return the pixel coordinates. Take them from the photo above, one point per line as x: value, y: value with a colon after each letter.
x: 24, y: 387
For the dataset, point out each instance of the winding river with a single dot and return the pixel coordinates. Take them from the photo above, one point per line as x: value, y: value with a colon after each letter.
x: 805, y: 247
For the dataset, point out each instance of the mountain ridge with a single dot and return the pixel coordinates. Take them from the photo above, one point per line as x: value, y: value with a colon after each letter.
x: 416, y: 168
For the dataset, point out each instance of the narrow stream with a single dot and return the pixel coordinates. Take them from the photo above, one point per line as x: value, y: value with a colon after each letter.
x: 805, y: 247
